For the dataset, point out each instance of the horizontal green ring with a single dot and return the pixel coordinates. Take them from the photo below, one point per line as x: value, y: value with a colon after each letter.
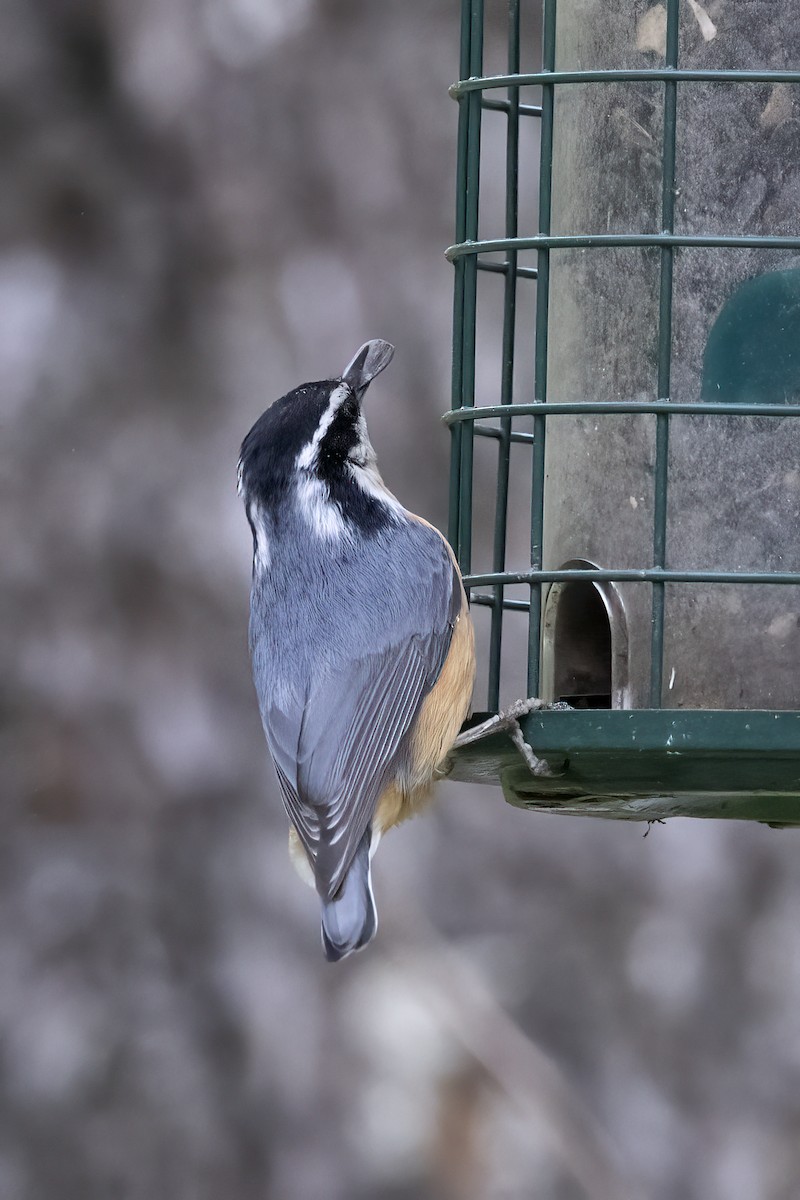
x: 645, y: 75
x: 593, y: 241
x: 642, y: 575
x: 673, y: 408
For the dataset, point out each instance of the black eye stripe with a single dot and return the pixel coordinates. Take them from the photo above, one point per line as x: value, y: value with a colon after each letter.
x: 341, y: 435
x: 349, y: 409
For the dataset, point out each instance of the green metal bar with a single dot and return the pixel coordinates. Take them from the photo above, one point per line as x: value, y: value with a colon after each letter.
x: 691, y: 408
x: 502, y: 268
x: 456, y: 428
x: 643, y: 75
x: 458, y: 287
x: 540, y: 361
x: 491, y: 431
x: 661, y: 479
x: 489, y: 601
x: 524, y: 110
x: 470, y: 289
x: 635, y: 575
x: 507, y: 370
x: 591, y: 241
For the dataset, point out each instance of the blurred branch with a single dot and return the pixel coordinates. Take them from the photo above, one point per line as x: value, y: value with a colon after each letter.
x: 530, y: 1078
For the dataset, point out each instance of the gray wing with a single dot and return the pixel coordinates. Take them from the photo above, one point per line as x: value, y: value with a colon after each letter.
x: 334, y: 751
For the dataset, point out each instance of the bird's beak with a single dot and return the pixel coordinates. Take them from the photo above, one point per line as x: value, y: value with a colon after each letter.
x: 368, y: 362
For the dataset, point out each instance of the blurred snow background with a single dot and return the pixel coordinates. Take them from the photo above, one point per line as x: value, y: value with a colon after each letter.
x: 206, y: 202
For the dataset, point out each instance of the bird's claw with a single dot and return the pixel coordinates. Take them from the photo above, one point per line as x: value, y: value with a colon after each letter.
x: 508, y: 721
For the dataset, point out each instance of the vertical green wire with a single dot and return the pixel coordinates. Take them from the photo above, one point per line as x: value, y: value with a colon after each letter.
x: 507, y: 370
x: 664, y: 356
x: 470, y: 287
x: 540, y: 365
x: 458, y: 286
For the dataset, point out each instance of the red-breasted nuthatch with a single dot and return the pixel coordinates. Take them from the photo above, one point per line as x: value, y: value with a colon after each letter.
x: 360, y: 635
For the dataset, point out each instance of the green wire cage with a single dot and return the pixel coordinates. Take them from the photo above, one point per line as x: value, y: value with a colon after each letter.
x: 626, y: 388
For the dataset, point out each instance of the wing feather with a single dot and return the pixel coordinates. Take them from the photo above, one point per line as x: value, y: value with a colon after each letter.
x: 336, y: 736
x: 353, y: 728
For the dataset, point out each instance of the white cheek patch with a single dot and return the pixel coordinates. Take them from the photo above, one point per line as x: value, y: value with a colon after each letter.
x: 364, y: 469
x: 323, y: 516
x: 368, y: 478
x: 262, y: 557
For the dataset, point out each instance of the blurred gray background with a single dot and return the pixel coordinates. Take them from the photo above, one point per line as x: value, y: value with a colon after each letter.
x: 206, y: 202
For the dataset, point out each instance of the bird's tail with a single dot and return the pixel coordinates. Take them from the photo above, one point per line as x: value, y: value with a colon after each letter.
x: 350, y: 919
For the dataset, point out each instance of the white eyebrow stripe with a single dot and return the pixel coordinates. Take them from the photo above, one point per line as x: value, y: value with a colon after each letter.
x: 307, y: 456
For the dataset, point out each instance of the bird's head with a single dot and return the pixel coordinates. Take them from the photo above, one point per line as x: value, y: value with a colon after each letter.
x: 311, y: 450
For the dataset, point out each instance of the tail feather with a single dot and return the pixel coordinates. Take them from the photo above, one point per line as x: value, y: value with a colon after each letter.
x: 350, y: 919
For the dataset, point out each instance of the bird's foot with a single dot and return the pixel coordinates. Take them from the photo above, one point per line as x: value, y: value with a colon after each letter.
x: 507, y: 721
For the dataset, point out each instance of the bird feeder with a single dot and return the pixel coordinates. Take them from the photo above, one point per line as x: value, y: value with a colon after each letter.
x: 628, y: 351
